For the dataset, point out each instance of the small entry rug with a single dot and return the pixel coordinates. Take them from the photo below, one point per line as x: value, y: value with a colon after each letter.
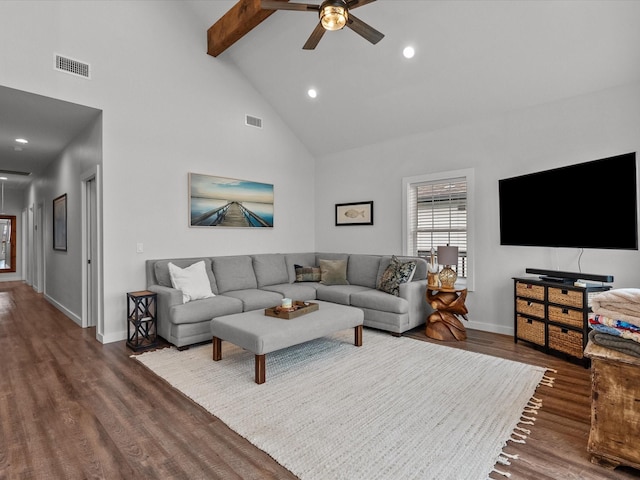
x: 395, y: 408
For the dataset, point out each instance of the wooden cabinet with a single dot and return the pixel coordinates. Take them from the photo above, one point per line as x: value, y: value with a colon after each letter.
x: 615, y: 407
x: 553, y: 316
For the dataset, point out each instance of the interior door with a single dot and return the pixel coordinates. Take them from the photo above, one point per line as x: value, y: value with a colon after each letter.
x: 38, y: 280
x: 92, y: 254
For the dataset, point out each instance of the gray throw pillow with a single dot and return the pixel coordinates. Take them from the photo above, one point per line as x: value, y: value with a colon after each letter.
x: 396, y: 273
x: 333, y: 272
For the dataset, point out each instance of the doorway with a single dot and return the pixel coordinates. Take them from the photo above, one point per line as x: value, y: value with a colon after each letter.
x: 38, y: 275
x: 7, y: 243
x: 90, y: 251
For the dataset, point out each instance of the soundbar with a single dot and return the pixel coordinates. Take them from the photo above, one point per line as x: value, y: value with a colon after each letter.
x: 568, y: 277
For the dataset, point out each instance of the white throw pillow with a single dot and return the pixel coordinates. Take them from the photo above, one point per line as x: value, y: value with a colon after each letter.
x: 193, y: 281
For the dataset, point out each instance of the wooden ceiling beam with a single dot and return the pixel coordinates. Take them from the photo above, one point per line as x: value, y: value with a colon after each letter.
x: 243, y: 17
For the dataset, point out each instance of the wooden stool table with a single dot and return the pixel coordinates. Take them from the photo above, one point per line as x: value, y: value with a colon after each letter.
x: 448, y: 303
x: 141, y: 320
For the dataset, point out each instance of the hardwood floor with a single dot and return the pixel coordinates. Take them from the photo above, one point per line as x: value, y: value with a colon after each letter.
x: 71, y: 408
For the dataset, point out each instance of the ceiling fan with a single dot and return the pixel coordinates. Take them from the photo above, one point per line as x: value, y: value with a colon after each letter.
x: 334, y: 15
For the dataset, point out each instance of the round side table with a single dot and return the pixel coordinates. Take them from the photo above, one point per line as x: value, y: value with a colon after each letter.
x: 448, y: 304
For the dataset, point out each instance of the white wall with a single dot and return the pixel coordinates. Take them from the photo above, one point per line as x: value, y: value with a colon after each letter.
x: 168, y: 109
x: 571, y: 131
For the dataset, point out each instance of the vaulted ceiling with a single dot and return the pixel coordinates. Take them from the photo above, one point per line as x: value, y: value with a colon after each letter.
x: 474, y: 59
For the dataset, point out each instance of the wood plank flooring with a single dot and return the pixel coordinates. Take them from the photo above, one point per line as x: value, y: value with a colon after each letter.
x: 71, y: 408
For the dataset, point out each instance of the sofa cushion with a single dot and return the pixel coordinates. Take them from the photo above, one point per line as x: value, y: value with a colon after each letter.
x: 295, y: 291
x: 270, y: 269
x: 363, y: 270
x: 192, y: 281
x: 396, y: 273
x: 329, y: 256
x: 254, y: 299
x: 205, y: 309
x: 378, y: 300
x: 308, y: 274
x: 234, y: 273
x: 333, y: 272
x: 161, y: 270
x: 338, y: 293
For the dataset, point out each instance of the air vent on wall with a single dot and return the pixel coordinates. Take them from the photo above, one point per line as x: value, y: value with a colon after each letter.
x: 253, y: 121
x: 14, y: 172
x: 74, y: 67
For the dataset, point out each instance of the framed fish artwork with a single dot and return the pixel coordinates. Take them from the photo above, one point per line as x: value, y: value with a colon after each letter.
x: 358, y: 213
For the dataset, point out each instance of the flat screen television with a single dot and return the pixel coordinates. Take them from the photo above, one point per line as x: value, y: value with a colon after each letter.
x: 586, y: 205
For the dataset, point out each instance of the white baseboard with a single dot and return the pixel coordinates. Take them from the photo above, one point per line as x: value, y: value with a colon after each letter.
x: 64, y: 310
x: 112, y: 337
x: 489, y: 327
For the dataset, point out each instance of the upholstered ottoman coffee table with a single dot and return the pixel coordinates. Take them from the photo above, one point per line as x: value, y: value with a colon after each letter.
x: 261, y: 334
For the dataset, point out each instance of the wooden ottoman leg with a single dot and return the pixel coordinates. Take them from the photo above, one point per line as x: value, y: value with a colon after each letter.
x: 260, y: 369
x: 217, y: 349
x: 358, y: 336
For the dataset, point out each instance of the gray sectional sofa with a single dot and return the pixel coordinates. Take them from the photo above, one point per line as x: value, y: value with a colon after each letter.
x: 252, y: 282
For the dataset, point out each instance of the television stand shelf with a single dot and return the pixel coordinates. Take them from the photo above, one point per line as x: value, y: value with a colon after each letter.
x: 553, y: 316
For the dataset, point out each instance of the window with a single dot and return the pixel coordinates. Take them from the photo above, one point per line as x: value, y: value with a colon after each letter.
x: 437, y: 212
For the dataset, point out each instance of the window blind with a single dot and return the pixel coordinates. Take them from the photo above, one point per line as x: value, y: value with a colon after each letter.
x: 438, y: 216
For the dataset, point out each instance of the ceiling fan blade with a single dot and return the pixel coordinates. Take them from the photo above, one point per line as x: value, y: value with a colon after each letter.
x: 315, y: 37
x: 273, y: 5
x: 364, y: 30
x: 351, y: 4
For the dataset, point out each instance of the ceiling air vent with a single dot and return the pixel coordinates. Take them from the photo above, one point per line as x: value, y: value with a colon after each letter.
x: 253, y: 121
x: 69, y: 65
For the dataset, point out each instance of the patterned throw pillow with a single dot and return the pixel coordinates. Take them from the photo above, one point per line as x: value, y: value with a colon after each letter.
x: 396, y: 273
x: 307, y: 274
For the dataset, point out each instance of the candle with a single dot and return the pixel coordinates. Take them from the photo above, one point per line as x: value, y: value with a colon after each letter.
x: 286, y: 303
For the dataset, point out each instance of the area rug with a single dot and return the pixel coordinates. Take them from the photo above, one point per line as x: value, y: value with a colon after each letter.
x: 395, y: 408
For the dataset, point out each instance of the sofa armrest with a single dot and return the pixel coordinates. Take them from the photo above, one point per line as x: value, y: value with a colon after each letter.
x: 415, y: 293
x: 167, y: 298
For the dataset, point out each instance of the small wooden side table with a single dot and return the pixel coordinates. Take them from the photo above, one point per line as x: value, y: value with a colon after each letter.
x: 448, y: 303
x: 141, y: 320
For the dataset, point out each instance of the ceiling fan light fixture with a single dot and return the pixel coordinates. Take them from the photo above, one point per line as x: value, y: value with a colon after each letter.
x: 333, y: 17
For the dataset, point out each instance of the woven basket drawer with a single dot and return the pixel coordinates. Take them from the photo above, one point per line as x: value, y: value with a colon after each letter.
x: 572, y: 298
x: 566, y: 316
x: 529, y: 290
x: 530, y: 308
x: 564, y: 340
x: 531, y: 330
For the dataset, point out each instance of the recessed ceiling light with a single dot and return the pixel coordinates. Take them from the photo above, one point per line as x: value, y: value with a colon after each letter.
x: 312, y: 93
x: 22, y: 140
x: 408, y: 52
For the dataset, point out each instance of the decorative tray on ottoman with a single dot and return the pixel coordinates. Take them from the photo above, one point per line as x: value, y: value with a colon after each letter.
x: 297, y: 309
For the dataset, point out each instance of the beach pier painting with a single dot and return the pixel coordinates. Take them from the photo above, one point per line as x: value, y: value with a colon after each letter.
x: 229, y: 202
